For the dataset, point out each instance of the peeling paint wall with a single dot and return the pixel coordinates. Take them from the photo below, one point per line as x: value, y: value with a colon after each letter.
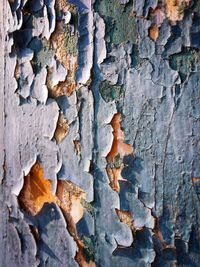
x: 100, y: 112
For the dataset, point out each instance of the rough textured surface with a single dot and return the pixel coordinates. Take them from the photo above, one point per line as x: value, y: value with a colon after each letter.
x: 100, y: 121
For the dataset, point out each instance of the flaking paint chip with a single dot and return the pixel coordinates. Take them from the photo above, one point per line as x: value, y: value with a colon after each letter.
x: 62, y: 129
x: 118, y: 151
x: 36, y: 190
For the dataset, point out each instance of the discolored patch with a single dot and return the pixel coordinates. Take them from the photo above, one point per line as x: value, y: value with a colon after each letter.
x: 62, y: 128
x: 126, y: 217
x: 64, y: 41
x: 153, y: 32
x: 118, y: 151
x: 119, y: 19
x: 36, y: 190
x: 77, y: 146
x: 110, y: 92
x: 184, y: 62
x: 175, y: 9
x: 70, y: 196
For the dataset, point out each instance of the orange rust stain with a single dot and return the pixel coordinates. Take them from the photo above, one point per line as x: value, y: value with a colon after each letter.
x: 126, y: 217
x: 81, y: 260
x: 159, y: 235
x: 62, y: 128
x: 195, y: 179
x: 119, y: 149
x: 153, y: 32
x: 157, y: 17
x: 67, y: 87
x: 175, y: 9
x: 36, y: 190
x: 172, y: 9
x: 70, y: 197
x: 62, y: 5
x: 77, y: 147
x: 114, y: 175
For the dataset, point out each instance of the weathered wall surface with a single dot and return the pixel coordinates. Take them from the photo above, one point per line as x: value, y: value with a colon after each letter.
x: 100, y: 115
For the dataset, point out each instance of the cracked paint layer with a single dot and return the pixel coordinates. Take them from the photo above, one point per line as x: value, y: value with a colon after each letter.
x: 37, y: 192
x: 102, y: 98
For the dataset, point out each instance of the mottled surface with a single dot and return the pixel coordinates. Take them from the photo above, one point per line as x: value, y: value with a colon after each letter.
x: 105, y: 95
